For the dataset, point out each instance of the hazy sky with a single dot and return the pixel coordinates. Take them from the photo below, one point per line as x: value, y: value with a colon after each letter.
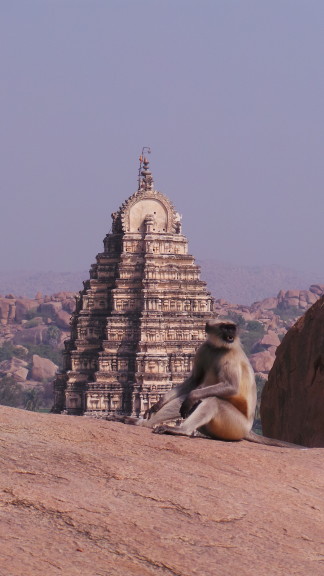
x: 228, y: 94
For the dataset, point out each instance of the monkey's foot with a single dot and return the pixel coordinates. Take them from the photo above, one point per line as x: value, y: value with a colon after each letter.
x: 174, y: 430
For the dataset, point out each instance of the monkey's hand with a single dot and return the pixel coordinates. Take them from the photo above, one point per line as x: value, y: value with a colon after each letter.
x: 155, y: 408
x: 189, y: 404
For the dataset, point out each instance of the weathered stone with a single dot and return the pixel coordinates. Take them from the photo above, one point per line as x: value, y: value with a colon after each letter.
x: 68, y: 304
x: 222, y: 302
x: 35, y: 335
x: 23, y: 306
x: 63, y: 319
x: 42, y: 368
x: 311, y: 298
x: 317, y: 289
x: 15, y: 367
x: 297, y: 298
x: 101, y: 498
x: 7, y: 310
x: 269, y: 304
x: 269, y: 340
x: 50, y: 308
x: 274, y: 323
x: 262, y: 361
x: 292, y: 403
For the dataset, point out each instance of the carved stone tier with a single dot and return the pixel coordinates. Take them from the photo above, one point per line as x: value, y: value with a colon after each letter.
x: 139, y: 318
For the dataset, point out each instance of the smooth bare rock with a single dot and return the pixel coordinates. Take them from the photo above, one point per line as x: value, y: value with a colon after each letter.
x: 50, y: 308
x: 298, y: 298
x: 42, y: 368
x: 317, y: 289
x: 64, y: 295
x: 269, y: 303
x: 68, y: 304
x: 23, y: 306
x: 7, y: 310
x: 4, y: 311
x: 92, y: 498
x: 274, y: 323
x: 262, y: 361
x: 15, y: 367
x: 269, y: 340
x: 292, y: 405
x: 63, y: 319
x: 311, y: 298
x: 35, y: 335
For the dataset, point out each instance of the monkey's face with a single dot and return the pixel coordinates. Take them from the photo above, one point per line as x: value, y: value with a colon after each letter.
x: 227, y: 332
x: 222, y: 334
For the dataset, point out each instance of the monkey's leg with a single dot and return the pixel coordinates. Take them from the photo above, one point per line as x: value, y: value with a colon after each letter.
x: 170, y: 411
x: 202, y: 415
x: 215, y: 417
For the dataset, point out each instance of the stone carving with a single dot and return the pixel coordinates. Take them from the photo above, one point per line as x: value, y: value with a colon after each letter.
x: 139, y: 318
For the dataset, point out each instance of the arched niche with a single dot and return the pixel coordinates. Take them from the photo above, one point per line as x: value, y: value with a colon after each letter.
x: 139, y: 211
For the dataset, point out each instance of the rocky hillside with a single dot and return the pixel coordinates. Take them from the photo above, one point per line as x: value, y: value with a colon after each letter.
x: 32, y: 332
x: 97, y: 498
x: 247, y: 284
x: 269, y: 319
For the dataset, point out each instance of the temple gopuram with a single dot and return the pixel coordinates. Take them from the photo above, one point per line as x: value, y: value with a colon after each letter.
x: 139, y: 318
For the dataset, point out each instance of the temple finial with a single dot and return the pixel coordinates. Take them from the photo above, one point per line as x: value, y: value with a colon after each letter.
x: 145, y: 179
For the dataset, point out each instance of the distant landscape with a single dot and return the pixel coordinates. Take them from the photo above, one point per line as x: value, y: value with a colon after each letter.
x: 236, y: 284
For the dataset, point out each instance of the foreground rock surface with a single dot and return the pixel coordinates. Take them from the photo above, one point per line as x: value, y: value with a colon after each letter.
x: 98, y: 498
x: 292, y: 402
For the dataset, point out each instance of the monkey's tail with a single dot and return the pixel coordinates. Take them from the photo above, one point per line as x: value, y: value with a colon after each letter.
x: 132, y: 420
x: 257, y: 439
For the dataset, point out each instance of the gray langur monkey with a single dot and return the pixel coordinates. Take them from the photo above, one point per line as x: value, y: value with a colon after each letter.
x: 219, y: 397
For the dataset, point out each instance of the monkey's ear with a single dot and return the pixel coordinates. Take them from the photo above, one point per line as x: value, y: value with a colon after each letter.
x: 207, y: 327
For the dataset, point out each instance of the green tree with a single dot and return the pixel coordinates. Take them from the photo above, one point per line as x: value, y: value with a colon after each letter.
x: 53, y: 335
x: 31, y: 313
x: 8, y: 351
x: 289, y: 315
x: 46, y: 351
x: 31, y: 399
x: 237, y: 318
x: 33, y: 322
x: 11, y: 393
x: 253, y: 332
x: 47, y: 395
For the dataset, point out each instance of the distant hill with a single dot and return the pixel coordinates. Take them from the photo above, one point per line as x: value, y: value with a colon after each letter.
x: 237, y: 284
x: 248, y: 284
x: 28, y: 283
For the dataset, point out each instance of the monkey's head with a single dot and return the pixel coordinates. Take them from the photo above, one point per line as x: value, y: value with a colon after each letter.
x: 221, y: 334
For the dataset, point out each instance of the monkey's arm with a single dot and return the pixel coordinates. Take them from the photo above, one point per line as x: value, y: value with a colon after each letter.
x: 172, y: 394
x: 189, y: 384
x: 220, y: 390
x: 197, y: 375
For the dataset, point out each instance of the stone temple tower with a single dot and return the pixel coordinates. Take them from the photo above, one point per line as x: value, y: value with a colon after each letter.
x: 141, y: 315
